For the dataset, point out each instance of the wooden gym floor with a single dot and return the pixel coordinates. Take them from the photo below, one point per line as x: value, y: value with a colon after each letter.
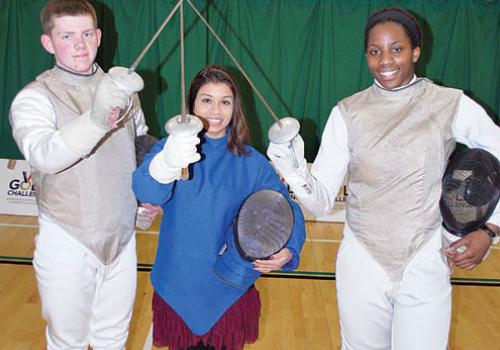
x: 299, y: 310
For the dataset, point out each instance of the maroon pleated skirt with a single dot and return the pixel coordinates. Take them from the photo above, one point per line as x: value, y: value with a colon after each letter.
x: 238, y: 325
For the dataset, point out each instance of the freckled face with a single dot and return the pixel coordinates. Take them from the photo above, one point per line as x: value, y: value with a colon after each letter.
x: 214, y: 103
x: 73, y: 41
x: 390, y: 57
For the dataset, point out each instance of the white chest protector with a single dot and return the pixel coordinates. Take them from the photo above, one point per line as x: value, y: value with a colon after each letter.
x: 399, y: 143
x: 92, y: 199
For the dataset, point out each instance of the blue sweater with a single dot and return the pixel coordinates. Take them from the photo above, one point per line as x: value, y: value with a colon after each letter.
x: 197, y: 217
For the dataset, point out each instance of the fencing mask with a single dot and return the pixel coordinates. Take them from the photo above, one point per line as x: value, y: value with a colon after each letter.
x: 262, y: 227
x: 470, y: 190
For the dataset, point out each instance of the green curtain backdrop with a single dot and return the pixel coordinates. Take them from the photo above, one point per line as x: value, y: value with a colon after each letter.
x: 303, y: 55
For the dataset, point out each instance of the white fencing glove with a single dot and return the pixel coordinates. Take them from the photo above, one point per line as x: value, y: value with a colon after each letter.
x: 288, y: 158
x: 178, y: 153
x: 114, y: 90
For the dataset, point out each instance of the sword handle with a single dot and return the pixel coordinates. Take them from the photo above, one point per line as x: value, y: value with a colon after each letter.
x: 185, y: 173
x: 11, y: 164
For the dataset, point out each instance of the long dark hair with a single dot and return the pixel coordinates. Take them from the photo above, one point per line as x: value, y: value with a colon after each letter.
x: 239, y: 134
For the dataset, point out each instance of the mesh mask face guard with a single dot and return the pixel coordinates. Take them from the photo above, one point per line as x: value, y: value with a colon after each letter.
x: 263, y: 225
x: 470, y: 191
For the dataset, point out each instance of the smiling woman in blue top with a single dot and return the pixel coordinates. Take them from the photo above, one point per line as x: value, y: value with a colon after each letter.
x: 192, y: 307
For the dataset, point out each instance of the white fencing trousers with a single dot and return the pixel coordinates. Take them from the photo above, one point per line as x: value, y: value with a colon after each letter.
x: 377, y: 314
x: 83, y: 301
